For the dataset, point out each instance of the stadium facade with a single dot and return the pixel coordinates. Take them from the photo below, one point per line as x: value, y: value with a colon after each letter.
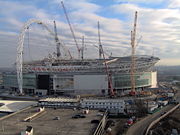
x: 82, y: 77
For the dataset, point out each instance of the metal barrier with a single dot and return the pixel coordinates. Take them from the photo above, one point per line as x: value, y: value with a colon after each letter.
x: 157, y: 120
x: 34, y: 116
x: 100, y: 128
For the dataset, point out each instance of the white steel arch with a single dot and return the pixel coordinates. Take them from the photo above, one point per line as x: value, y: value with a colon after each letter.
x: 19, y: 58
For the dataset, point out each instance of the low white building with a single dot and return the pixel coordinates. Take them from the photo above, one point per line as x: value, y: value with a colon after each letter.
x: 112, y: 105
x: 59, y: 102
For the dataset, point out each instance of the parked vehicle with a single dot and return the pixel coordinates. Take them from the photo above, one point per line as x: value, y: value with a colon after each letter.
x: 82, y: 116
x: 75, y: 117
x: 163, y: 113
x: 170, y: 95
x: 174, y: 101
x: 78, y: 116
x: 129, y: 122
x: 95, y: 121
x: 134, y: 118
x: 100, y: 114
x: 56, y: 118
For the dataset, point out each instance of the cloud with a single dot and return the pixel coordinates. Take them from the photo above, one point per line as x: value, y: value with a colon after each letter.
x: 139, y: 1
x: 174, y: 4
x: 169, y: 62
x: 156, y: 26
x: 159, y: 28
x: 83, y: 6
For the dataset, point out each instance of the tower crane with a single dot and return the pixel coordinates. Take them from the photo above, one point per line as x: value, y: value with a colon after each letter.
x: 82, y: 48
x: 111, y: 91
x: 133, y: 45
x: 100, y: 45
x: 57, y: 41
x: 70, y: 26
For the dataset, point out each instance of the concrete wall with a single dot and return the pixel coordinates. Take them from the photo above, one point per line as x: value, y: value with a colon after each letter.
x: 153, y: 79
x: 63, y: 82
x: 81, y: 84
x: 86, y: 83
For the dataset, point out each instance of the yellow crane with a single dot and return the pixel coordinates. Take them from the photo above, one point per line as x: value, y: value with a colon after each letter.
x: 133, y: 45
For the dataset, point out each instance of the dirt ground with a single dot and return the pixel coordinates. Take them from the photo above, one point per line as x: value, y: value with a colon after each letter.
x: 118, y: 128
x: 165, y: 126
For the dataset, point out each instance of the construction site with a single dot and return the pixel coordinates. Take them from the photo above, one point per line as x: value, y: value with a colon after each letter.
x: 88, y: 95
x: 58, y: 75
x: 168, y: 125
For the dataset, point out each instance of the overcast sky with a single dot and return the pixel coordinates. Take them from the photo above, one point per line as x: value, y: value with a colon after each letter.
x: 158, y: 28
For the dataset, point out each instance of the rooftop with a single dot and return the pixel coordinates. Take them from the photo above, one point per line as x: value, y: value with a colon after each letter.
x: 46, y: 125
x: 59, y: 99
x: 13, y: 106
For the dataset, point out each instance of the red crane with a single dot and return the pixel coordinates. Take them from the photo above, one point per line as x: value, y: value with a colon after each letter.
x: 101, y: 52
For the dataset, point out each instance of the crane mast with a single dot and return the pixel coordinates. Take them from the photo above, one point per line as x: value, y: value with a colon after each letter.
x: 100, y: 45
x: 71, y: 29
x: 57, y: 41
x: 101, y: 53
x: 133, y: 45
x: 82, y: 49
x: 111, y: 91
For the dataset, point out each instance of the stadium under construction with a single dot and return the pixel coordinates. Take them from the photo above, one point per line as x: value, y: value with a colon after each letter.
x: 84, y: 77
x: 102, y: 76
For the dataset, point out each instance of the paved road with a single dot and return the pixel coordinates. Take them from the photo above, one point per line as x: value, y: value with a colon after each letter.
x: 177, y: 96
x: 139, y: 127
